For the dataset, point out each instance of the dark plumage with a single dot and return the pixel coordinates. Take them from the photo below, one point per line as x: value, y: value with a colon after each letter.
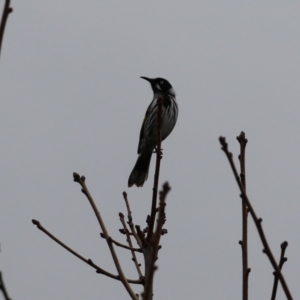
x: 148, y: 135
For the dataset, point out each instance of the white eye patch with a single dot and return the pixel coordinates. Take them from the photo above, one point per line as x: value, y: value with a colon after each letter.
x: 158, y: 87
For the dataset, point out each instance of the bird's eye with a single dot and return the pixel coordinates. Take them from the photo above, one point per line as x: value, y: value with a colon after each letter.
x: 161, y: 82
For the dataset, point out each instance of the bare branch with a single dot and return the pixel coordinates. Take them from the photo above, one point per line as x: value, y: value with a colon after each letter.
x: 3, y: 289
x: 256, y: 220
x: 85, y: 191
x: 130, y: 223
x: 122, y: 245
x: 6, y: 11
x: 137, y: 265
x: 155, y: 242
x: 129, y: 215
x: 244, y: 242
x: 88, y: 261
x: 280, y: 265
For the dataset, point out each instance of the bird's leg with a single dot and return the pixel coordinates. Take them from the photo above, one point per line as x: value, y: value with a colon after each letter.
x: 155, y: 151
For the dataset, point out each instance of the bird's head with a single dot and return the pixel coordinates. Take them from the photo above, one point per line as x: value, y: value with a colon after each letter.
x: 160, y: 85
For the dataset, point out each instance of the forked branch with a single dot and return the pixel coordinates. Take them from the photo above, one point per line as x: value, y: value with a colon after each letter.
x: 134, y: 258
x: 86, y: 260
x: 148, y: 239
x: 155, y: 242
x: 282, y: 260
x: 256, y: 220
x: 85, y: 191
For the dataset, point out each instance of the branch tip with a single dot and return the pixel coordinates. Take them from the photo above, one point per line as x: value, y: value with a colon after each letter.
x: 258, y: 221
x: 35, y: 222
x: 242, y: 138
x: 166, y: 187
x: 223, y: 142
x: 76, y: 177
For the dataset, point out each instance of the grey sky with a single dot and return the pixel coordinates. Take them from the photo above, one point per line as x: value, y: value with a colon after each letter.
x: 72, y: 100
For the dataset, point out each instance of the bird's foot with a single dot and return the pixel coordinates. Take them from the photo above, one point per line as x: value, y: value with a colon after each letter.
x: 161, y: 151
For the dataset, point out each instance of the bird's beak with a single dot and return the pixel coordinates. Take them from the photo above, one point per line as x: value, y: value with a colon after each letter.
x: 148, y: 79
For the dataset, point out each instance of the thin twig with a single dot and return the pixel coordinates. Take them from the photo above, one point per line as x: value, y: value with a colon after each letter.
x: 157, y: 167
x: 156, y: 239
x: 6, y: 11
x: 3, y: 289
x: 129, y: 214
x: 86, y: 260
x: 85, y: 191
x: 256, y: 220
x: 137, y: 265
x: 122, y: 245
x: 244, y: 242
x: 141, y: 236
x: 280, y: 265
x: 130, y: 223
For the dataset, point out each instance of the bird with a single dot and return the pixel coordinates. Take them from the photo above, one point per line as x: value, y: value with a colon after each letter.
x: 161, y: 88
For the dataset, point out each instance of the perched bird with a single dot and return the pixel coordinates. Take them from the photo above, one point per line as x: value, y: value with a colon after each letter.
x: 148, y: 135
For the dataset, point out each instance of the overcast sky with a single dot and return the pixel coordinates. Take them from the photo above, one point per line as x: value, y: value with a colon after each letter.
x: 72, y: 100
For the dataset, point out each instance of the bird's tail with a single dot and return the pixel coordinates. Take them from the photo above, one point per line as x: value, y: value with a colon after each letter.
x: 140, y: 171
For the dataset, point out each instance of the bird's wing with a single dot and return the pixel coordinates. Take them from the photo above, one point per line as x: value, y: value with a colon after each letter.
x: 141, y: 136
x: 148, y: 124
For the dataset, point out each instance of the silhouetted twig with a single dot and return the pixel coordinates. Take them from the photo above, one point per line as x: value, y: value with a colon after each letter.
x: 122, y: 245
x: 280, y: 265
x: 256, y: 220
x: 244, y: 242
x: 6, y: 11
x: 3, y: 289
x: 88, y: 261
x: 130, y: 223
x: 155, y: 241
x: 134, y: 259
x: 85, y: 191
